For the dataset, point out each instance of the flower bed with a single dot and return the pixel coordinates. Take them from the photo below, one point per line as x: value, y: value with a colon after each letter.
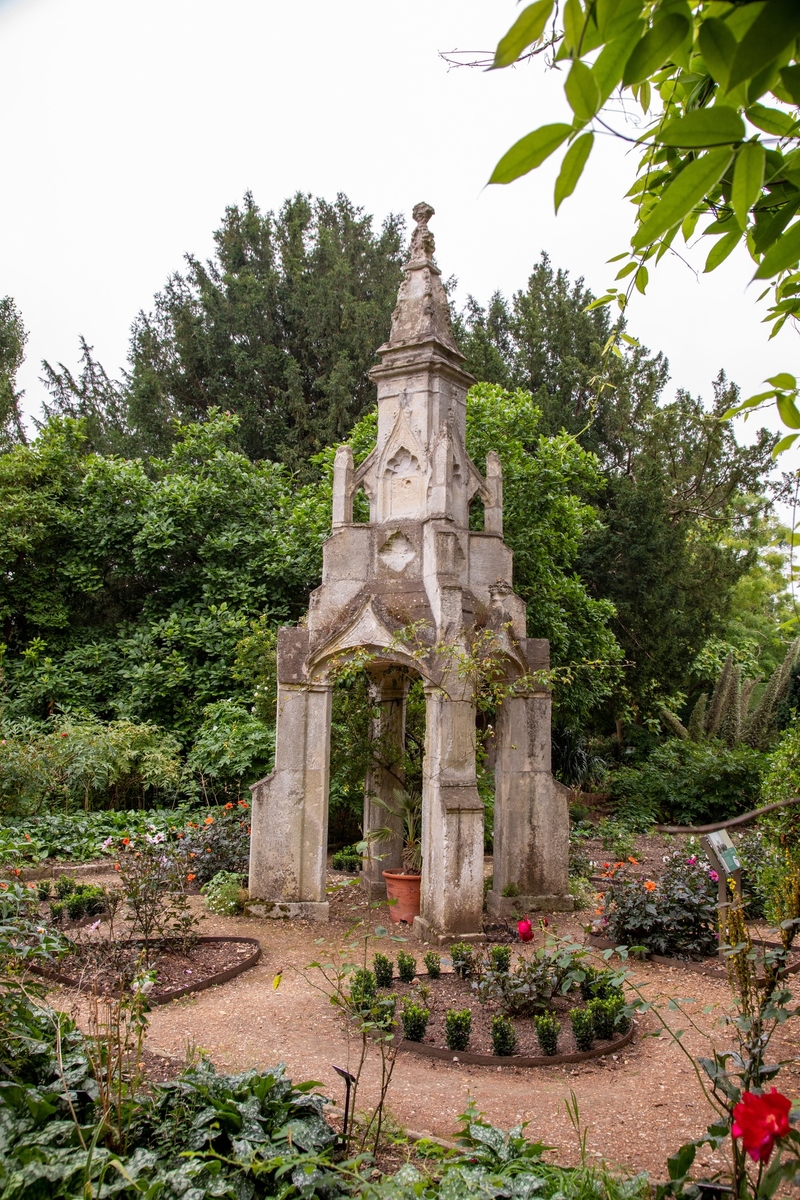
x: 175, y: 971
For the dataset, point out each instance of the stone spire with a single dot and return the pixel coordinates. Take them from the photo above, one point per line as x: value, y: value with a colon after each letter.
x: 422, y: 313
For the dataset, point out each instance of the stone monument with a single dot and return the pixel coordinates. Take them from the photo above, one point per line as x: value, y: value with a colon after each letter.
x: 416, y: 565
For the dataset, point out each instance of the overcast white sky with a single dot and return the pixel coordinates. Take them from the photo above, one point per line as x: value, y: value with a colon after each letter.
x: 128, y: 127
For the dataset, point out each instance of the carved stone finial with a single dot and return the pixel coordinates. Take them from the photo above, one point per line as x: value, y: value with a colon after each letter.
x: 422, y: 243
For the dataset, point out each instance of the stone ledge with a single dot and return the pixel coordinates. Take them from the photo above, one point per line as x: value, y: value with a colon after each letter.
x: 424, y: 932
x: 508, y: 906
x: 288, y: 910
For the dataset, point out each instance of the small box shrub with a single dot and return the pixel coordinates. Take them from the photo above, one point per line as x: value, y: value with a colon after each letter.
x: 406, y: 966
x: 604, y: 1013
x: 590, y: 974
x: 415, y: 1020
x: 44, y: 889
x: 383, y: 1011
x: 94, y: 899
x: 582, y: 1028
x: 547, y: 1031
x: 463, y: 957
x: 383, y: 968
x: 500, y: 959
x: 347, y: 859
x: 65, y: 886
x: 75, y: 906
x: 457, y: 1028
x: 363, y: 989
x: 504, y: 1036
x: 433, y: 964
x: 56, y: 911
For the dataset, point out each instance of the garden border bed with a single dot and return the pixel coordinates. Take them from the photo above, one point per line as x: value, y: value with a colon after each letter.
x: 516, y: 1060
x: 175, y: 993
x: 711, y: 967
x: 55, y: 869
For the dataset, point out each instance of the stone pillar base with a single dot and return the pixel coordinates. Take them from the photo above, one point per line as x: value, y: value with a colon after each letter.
x: 424, y: 932
x: 507, y: 907
x: 288, y: 910
x: 375, y: 889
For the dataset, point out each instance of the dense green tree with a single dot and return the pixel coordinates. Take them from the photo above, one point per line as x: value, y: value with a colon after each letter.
x: 674, y: 536
x: 280, y: 327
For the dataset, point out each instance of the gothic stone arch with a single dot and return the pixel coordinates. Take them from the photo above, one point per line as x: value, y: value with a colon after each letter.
x: 416, y: 565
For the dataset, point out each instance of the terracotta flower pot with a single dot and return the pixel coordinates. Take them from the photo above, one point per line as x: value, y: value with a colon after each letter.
x: 405, y: 890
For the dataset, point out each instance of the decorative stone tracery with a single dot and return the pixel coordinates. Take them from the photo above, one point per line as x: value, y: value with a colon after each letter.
x: 416, y: 564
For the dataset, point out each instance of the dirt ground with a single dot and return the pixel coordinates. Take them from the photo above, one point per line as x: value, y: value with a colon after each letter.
x: 637, y: 1107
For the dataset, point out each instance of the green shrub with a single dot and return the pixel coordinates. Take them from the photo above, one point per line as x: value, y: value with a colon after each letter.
x: 500, y: 958
x: 603, y: 1014
x: 504, y: 1036
x: 676, y: 917
x: 547, y: 1031
x: 56, y: 911
x: 347, y: 859
x: 782, y: 780
x: 590, y: 974
x: 383, y: 968
x: 224, y: 893
x: 690, y: 783
x: 363, y: 989
x: 86, y: 900
x: 65, y: 886
x: 406, y: 966
x: 44, y: 889
x: 457, y: 1028
x: 463, y: 957
x: 415, y: 1020
x: 218, y: 842
x: 433, y: 964
x: 75, y: 906
x: 582, y: 1023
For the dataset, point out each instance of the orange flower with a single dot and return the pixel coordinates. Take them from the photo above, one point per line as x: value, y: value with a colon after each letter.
x: 209, y: 821
x: 116, y: 866
x: 208, y: 849
x: 619, y: 864
x: 180, y: 835
x: 633, y: 860
x: 3, y: 885
x: 191, y: 876
x: 192, y: 854
x: 599, y: 912
x: 228, y: 806
x: 649, y: 886
x: 243, y: 804
x: 126, y: 841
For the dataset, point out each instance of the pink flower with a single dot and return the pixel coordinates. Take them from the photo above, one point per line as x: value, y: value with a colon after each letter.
x: 525, y: 930
x: 713, y: 876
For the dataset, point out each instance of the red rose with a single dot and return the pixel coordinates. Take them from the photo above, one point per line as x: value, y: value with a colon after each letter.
x: 525, y: 930
x: 759, y: 1121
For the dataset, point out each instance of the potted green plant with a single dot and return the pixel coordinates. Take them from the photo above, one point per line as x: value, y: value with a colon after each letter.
x: 403, y: 886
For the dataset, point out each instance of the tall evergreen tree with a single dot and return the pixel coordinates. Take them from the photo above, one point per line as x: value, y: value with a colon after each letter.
x: 12, y: 353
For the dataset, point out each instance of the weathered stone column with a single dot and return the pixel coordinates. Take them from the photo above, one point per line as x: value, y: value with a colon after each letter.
x: 452, y: 823
x: 531, y: 817
x: 389, y: 690
x: 289, y: 838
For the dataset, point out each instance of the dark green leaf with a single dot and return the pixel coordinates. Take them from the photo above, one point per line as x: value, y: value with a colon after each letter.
x: 782, y: 254
x: 790, y: 77
x: 655, y: 47
x: 530, y: 152
x: 748, y: 179
x: 703, y: 127
x: 775, y: 27
x: 582, y: 91
x: 721, y: 249
x: 528, y: 28
x: 717, y: 46
x: 572, y: 167
x: 683, y: 193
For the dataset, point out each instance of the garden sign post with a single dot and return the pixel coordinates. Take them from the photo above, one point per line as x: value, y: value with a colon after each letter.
x: 409, y: 591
